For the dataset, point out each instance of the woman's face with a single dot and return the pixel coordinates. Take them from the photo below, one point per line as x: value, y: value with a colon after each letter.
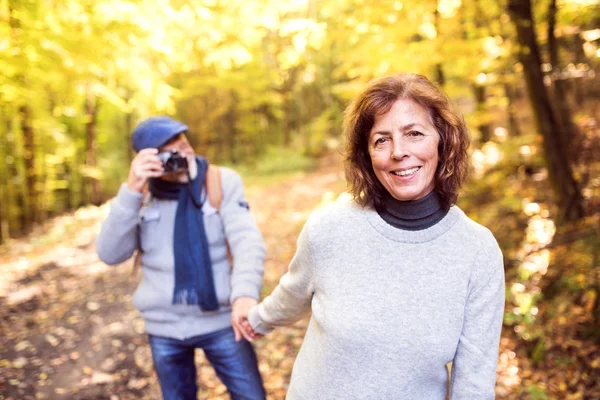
x: 403, y: 145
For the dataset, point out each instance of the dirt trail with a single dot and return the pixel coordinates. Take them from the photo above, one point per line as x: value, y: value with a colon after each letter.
x: 68, y: 329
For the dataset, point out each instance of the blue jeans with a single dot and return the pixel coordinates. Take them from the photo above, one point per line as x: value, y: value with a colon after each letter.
x: 234, y: 362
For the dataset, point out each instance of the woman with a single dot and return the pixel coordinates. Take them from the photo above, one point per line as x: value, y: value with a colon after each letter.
x: 400, y: 282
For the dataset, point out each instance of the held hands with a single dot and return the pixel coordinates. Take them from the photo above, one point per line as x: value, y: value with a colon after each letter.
x: 145, y: 165
x: 239, y: 319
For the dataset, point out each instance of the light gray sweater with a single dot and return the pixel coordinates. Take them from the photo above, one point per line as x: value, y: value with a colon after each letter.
x: 130, y: 225
x: 391, y: 307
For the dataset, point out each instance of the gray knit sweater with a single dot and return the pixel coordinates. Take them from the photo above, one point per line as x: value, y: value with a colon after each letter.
x: 391, y: 307
x: 130, y: 226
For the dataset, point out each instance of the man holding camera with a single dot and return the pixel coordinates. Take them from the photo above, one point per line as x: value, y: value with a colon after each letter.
x: 190, y: 294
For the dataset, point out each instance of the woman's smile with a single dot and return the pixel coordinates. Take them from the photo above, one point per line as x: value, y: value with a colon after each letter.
x: 406, y: 173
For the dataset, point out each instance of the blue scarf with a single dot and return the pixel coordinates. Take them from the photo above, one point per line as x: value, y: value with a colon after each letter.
x: 194, y: 283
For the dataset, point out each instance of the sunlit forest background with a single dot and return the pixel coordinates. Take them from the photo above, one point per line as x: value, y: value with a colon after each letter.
x: 263, y: 85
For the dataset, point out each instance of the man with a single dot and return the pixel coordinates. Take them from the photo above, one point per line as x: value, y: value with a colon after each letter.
x: 190, y: 295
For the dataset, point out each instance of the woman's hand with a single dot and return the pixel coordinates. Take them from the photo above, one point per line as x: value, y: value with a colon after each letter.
x: 250, y: 332
x: 239, y: 319
x: 145, y: 165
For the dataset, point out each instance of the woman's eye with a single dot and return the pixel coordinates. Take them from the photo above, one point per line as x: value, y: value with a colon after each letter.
x: 380, y: 141
x: 415, y: 133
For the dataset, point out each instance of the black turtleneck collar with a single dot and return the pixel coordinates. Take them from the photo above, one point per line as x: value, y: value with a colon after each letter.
x: 413, y: 215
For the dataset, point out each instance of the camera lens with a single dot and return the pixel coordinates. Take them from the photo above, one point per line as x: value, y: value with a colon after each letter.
x: 172, y: 161
x: 171, y: 164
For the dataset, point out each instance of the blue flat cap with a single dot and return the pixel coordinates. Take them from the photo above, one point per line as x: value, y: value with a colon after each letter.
x: 156, y: 131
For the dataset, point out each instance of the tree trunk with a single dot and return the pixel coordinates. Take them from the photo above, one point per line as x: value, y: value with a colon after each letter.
x: 483, y: 127
x: 4, y: 199
x: 480, y: 17
x: 230, y: 122
x: 15, y: 196
x: 21, y: 195
x: 17, y: 191
x: 2, y: 217
x: 69, y: 199
x: 513, y: 124
x: 565, y: 187
x: 72, y: 169
x: 511, y: 86
x: 93, y: 183
x: 289, y: 122
x: 128, y: 130
x: 31, y: 202
x: 560, y: 85
x: 287, y: 119
x: 313, y: 110
x: 479, y: 88
x: 462, y: 17
x: 579, y: 87
x: 439, y: 69
x: 129, y: 127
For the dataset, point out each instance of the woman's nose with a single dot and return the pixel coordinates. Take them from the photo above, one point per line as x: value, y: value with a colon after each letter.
x: 398, y: 150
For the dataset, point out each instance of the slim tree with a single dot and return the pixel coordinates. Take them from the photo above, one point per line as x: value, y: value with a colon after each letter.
x: 560, y: 173
x: 560, y: 84
x: 29, y: 155
x: 91, y: 111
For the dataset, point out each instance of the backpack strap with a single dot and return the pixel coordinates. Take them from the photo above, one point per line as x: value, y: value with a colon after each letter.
x: 213, y: 186
x: 215, y: 197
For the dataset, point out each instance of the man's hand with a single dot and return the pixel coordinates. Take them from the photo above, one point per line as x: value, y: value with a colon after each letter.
x: 145, y: 165
x: 239, y: 319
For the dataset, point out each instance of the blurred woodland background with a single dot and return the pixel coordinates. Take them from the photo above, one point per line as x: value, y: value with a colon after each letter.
x: 263, y: 85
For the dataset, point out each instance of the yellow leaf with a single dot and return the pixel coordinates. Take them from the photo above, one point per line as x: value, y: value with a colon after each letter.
x: 52, y: 340
x: 19, y: 362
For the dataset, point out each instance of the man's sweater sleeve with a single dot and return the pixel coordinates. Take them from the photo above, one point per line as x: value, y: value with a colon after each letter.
x: 476, y: 358
x: 244, y: 238
x: 118, y: 236
x: 291, y: 299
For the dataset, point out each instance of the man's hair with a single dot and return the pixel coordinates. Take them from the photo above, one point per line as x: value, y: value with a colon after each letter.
x: 377, y: 99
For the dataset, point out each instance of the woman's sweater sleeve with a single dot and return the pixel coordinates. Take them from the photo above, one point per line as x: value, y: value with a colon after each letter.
x: 476, y: 358
x: 291, y: 299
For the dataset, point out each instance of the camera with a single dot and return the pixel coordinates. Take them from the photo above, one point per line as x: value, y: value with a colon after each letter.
x: 172, y: 161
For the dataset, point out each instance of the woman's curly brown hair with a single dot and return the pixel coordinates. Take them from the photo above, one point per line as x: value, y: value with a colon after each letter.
x: 377, y: 99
